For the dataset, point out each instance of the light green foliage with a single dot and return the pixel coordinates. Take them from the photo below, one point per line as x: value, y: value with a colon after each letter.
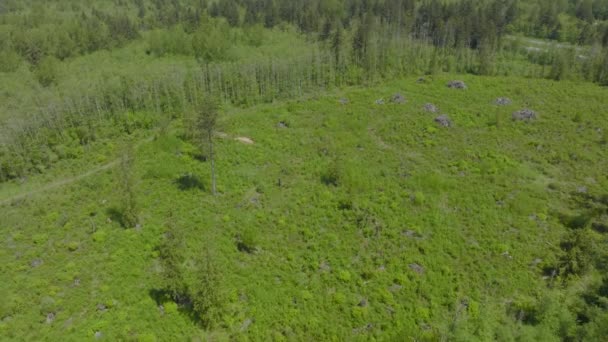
x: 9, y: 60
x: 459, y: 264
x: 46, y: 71
x: 212, y: 41
x: 358, y: 221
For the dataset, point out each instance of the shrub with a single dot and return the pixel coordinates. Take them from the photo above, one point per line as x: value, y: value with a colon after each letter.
x: 418, y: 198
x: 46, y: 72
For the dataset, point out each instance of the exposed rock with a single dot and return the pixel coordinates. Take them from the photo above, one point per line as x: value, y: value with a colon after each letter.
x: 395, y: 288
x: 503, y: 101
x: 431, y: 108
x: 363, y: 303
x: 581, y: 189
x: 363, y: 329
x: 324, y: 267
x: 282, y: 124
x: 416, y: 268
x: 101, y: 307
x: 244, y: 140
x: 398, y: 98
x: 344, y: 101
x: 50, y: 317
x: 411, y: 234
x: 98, y: 335
x: 246, y: 324
x: 456, y: 84
x: 380, y: 101
x: 36, y: 262
x: 443, y: 120
x: 524, y: 115
x: 536, y: 261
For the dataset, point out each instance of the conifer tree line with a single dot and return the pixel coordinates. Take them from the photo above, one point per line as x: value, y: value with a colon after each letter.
x: 32, y: 30
x: 353, y: 42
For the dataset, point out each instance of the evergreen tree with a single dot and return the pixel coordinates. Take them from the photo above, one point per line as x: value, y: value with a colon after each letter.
x: 336, y: 44
x: 230, y: 10
x: 206, y: 120
x: 126, y: 182
x: 206, y: 292
x: 584, y: 10
x: 360, y: 40
x: 271, y: 13
x: 171, y: 260
x: 326, y: 30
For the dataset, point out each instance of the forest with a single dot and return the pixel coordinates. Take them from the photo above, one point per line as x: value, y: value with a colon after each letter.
x: 268, y: 170
x: 342, y: 43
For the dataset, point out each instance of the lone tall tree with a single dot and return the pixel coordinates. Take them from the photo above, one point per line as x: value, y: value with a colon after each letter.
x: 206, y: 119
x: 126, y: 182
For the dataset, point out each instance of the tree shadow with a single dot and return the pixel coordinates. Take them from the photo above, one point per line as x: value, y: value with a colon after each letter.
x: 116, y: 214
x: 200, y: 157
x: 189, y: 181
x: 184, y: 304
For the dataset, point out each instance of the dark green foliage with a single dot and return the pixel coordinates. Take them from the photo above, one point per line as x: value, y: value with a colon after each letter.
x: 189, y: 181
x: 206, y: 291
x: 337, y: 43
x: 171, y: 259
x: 204, y: 125
x: 580, y: 251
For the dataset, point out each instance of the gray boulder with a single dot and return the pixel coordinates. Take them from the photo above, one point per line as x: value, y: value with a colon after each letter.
x: 503, y: 101
x: 431, y: 108
x: 457, y: 84
x: 443, y: 120
x: 398, y: 98
x: 524, y: 115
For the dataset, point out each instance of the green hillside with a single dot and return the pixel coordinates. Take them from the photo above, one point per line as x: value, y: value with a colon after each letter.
x: 345, y: 219
x: 303, y: 170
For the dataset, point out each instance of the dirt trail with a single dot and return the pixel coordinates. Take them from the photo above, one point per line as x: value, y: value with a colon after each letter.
x: 100, y: 168
x: 67, y: 180
x: 59, y: 183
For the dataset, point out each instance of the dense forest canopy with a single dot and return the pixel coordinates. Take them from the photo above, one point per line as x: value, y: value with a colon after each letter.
x: 32, y: 30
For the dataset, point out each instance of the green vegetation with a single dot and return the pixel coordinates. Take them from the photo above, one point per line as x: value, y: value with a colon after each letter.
x: 304, y: 170
x: 476, y: 231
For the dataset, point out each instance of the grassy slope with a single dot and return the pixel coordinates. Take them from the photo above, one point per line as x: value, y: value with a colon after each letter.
x: 473, y: 205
